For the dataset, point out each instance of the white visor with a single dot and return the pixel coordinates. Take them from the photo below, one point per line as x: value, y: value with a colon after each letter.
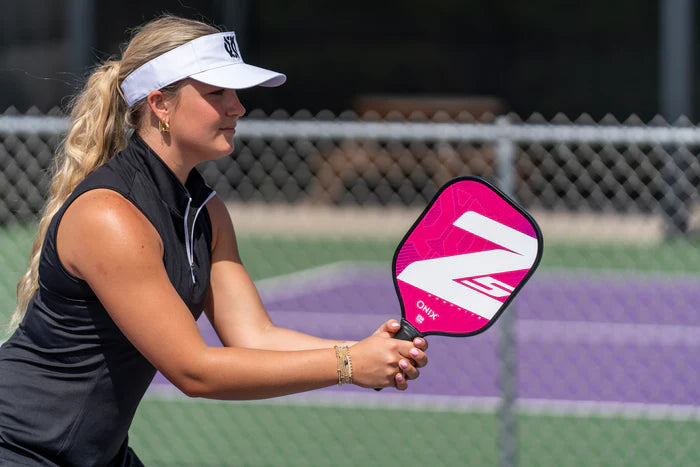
x: 214, y: 59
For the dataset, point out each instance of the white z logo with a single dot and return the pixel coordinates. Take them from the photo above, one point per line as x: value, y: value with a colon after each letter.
x: 445, y: 277
x: 488, y: 286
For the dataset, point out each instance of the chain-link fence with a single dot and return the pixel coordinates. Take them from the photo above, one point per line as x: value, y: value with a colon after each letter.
x: 595, y: 363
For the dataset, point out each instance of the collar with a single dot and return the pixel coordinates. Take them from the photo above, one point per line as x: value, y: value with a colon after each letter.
x: 176, y: 195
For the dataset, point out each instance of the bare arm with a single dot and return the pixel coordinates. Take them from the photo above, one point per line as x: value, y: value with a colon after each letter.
x: 240, y: 319
x: 106, y: 241
x: 234, y: 307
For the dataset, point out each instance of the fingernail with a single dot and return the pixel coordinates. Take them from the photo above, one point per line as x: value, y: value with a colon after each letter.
x: 418, y: 342
x: 403, y: 364
x: 394, y: 324
x: 399, y: 377
x: 414, y: 352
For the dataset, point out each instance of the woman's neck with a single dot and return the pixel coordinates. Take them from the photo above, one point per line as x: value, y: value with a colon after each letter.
x: 162, y: 146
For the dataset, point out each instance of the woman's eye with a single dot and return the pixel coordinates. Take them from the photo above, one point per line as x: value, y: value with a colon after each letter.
x: 220, y: 92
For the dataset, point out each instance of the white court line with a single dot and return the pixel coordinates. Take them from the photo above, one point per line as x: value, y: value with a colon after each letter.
x: 605, y: 332
x: 317, y: 279
x: 461, y: 404
x: 617, y: 274
x: 627, y: 410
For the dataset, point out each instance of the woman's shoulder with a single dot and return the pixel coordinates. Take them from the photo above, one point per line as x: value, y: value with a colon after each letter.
x: 102, y: 223
x: 104, y: 207
x: 104, y: 215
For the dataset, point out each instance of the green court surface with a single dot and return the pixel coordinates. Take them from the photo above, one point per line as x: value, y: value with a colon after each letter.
x: 190, y: 433
x: 184, y: 432
x: 273, y: 434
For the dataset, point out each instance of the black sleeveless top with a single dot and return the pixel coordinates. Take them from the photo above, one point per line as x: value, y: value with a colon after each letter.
x: 70, y: 381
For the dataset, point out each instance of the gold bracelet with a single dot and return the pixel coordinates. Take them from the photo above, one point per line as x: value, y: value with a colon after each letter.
x: 342, y: 354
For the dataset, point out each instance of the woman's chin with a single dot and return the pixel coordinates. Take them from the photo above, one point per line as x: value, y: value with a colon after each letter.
x: 224, y: 147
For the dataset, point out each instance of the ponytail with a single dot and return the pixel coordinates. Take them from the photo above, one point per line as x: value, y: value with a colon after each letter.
x: 99, y: 124
x: 97, y: 132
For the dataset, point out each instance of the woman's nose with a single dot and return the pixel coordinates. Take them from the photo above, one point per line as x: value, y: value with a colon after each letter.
x: 234, y: 107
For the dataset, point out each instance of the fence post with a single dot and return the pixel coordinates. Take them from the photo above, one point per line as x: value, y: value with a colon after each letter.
x: 81, y: 20
x: 508, y: 434
x: 676, y: 71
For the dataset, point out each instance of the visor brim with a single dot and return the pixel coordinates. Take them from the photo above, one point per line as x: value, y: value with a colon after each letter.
x: 240, y: 76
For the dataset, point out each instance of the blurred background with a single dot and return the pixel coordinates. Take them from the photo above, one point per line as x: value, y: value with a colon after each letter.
x: 583, y: 112
x: 538, y: 56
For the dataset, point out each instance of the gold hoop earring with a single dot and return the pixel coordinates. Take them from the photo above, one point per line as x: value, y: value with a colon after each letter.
x: 163, y: 127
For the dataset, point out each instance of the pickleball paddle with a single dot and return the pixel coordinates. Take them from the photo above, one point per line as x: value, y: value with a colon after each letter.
x: 464, y: 260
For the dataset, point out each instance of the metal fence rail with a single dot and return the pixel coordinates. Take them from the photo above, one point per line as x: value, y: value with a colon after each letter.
x: 598, y: 358
x: 510, y: 128
x: 562, y: 166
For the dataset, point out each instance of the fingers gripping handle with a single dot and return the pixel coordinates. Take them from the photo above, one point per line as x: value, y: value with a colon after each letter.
x: 406, y: 333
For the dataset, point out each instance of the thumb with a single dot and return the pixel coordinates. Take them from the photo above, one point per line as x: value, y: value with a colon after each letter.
x: 391, y: 327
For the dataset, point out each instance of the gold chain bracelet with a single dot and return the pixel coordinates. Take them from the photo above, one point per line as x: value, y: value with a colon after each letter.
x: 342, y: 354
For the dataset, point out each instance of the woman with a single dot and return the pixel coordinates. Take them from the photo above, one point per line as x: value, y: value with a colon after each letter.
x: 133, y: 246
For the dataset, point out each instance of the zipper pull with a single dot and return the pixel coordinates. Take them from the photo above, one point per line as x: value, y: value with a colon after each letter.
x: 188, y: 246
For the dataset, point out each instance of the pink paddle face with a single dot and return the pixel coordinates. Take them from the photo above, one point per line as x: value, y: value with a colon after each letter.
x: 464, y: 259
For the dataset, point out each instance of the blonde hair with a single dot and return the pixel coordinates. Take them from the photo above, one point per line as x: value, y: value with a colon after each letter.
x: 99, y: 124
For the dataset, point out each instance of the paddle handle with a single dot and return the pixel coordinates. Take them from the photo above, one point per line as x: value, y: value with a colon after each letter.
x: 406, y: 333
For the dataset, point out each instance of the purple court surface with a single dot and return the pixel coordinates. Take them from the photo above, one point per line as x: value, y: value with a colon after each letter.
x: 589, y: 337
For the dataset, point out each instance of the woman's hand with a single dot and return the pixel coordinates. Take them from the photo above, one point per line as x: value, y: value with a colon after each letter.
x: 380, y: 361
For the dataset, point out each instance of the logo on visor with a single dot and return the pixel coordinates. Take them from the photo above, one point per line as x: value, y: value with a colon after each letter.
x: 230, y: 46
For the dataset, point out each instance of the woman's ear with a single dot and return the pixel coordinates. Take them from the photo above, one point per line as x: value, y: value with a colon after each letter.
x: 159, y: 106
